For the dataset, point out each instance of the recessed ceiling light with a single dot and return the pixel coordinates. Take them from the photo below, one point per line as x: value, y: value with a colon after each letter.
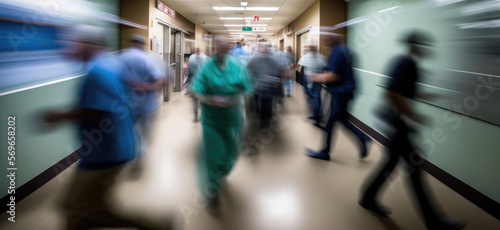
x: 262, y: 8
x: 229, y: 8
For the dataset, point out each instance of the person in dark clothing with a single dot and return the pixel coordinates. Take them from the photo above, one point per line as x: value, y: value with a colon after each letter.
x: 401, y: 88
x: 268, y: 86
x: 341, y: 85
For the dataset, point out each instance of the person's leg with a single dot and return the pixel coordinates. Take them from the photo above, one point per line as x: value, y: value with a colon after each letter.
x: 432, y: 217
x: 215, y: 161
x: 288, y: 87
x: 335, y: 110
x: 144, y: 126
x: 363, y: 139
x: 88, y: 201
x: 195, y: 108
x: 316, y: 101
x: 266, y: 113
x: 377, y: 180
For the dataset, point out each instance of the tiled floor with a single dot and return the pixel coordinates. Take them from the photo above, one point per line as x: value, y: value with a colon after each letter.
x: 279, y: 189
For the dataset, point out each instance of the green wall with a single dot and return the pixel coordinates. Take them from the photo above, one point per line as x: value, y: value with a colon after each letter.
x: 465, y: 147
x: 39, y: 147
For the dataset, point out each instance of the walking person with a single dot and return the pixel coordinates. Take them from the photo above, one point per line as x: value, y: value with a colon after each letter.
x: 195, y: 63
x: 313, y: 63
x: 402, y: 87
x: 106, y: 132
x: 219, y: 86
x: 289, y: 70
x: 339, y: 78
x: 144, y: 78
x: 268, y: 85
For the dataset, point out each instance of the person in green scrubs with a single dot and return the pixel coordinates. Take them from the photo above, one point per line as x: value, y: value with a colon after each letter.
x: 220, y: 86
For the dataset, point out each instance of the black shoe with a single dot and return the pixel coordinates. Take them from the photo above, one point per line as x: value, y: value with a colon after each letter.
x: 364, y: 148
x: 318, y: 125
x: 214, y: 206
x: 318, y: 155
x: 446, y: 224
x: 372, y: 206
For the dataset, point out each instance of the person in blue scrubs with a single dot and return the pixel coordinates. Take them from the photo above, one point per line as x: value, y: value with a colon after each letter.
x: 339, y: 78
x: 144, y: 78
x: 402, y: 87
x: 106, y: 133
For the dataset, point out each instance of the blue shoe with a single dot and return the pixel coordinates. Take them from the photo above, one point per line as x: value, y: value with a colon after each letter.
x: 318, y: 155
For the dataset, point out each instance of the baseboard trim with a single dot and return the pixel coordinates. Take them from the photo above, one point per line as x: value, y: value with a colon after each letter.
x: 479, y: 199
x: 37, y: 182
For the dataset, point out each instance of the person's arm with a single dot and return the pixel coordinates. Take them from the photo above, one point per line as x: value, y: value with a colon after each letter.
x: 157, y: 76
x: 324, y: 77
x: 76, y: 114
x: 332, y: 74
x: 148, y: 86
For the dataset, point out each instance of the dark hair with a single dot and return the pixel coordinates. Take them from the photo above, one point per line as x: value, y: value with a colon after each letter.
x: 418, y: 38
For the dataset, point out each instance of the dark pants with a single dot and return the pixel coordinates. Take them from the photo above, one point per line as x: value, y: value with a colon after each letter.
x: 315, y: 100
x: 313, y: 95
x: 338, y: 112
x: 263, y: 109
x: 401, y: 147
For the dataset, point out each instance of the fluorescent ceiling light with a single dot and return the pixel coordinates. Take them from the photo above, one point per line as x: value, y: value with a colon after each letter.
x: 229, y: 8
x: 251, y: 18
x: 243, y: 34
x: 236, y: 25
x: 242, y: 18
x: 246, y: 8
x: 244, y: 3
x: 231, y: 18
x: 262, y: 8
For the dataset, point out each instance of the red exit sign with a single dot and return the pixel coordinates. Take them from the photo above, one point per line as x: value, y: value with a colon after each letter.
x: 161, y: 6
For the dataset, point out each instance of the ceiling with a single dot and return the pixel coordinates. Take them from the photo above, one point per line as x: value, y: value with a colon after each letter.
x: 201, y: 13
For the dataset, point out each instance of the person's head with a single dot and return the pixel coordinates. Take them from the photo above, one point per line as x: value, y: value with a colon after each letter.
x: 263, y: 49
x: 331, y: 39
x: 87, y: 41
x: 222, y: 46
x: 197, y: 51
x: 138, y: 41
x: 419, y: 43
x: 289, y: 49
x: 313, y: 48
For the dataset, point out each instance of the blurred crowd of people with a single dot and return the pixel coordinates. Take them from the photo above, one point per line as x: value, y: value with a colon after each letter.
x: 119, y: 100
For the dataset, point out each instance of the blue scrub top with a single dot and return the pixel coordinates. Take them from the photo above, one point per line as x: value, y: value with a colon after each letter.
x: 340, y: 63
x: 140, y: 67
x: 107, y: 141
x: 404, y: 76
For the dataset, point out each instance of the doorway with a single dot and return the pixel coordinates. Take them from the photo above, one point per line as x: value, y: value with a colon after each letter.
x: 173, y: 50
